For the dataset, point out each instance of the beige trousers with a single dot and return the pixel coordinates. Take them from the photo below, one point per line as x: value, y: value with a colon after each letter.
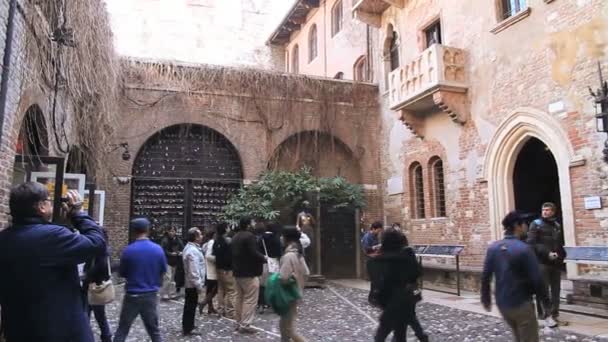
x: 287, y: 325
x: 247, y: 291
x: 522, y: 321
x: 226, y: 293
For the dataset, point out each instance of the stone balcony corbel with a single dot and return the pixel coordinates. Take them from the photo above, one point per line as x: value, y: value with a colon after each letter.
x: 370, y: 11
x: 435, y: 81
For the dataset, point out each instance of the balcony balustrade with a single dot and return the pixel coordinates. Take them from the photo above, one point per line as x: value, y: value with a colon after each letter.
x: 436, y: 80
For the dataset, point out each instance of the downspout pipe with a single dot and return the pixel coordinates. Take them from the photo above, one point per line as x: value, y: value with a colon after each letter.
x: 6, y: 62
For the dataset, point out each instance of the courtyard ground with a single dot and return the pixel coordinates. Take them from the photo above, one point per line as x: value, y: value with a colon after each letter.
x: 341, y: 313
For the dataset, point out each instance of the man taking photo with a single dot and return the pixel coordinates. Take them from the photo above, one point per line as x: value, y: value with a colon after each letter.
x: 41, y: 297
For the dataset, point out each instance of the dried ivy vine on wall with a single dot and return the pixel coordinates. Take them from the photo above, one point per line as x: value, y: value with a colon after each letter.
x: 272, y: 100
x: 71, y: 57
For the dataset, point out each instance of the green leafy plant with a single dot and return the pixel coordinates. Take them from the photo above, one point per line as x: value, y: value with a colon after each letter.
x: 280, y: 189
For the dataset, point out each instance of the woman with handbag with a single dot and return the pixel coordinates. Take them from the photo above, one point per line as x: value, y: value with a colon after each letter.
x: 269, y: 243
x: 394, y: 273
x: 100, y: 290
x: 292, y: 266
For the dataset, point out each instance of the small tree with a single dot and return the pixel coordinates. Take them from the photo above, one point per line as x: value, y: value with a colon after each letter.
x: 279, y: 189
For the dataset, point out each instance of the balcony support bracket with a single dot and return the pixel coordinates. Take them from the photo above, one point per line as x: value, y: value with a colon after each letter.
x: 454, y: 104
x: 371, y: 19
x: 414, y: 123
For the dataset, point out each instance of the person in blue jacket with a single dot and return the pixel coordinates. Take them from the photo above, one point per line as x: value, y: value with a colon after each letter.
x: 517, y: 276
x: 40, y: 291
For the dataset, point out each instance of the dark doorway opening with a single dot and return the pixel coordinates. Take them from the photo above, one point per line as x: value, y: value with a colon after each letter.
x: 535, y: 178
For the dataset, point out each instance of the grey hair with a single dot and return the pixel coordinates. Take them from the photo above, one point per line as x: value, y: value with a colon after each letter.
x: 192, y: 234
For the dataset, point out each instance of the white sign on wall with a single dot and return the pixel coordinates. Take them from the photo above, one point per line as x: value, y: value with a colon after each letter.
x: 593, y: 202
x: 395, y: 185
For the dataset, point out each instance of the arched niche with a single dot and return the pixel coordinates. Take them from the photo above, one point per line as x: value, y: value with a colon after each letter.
x: 325, y: 154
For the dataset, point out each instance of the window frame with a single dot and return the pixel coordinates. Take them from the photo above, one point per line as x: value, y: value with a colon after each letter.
x: 428, y: 29
x: 515, y: 7
x: 394, y: 55
x: 337, y: 18
x: 437, y: 187
x: 313, y: 43
x: 295, y: 59
x: 417, y: 200
x: 360, y: 69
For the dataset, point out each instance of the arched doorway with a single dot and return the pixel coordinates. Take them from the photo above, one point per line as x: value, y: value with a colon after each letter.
x: 32, y: 143
x: 183, y: 177
x: 33, y: 136
x: 535, y: 177
x: 327, y: 156
x: 512, y: 135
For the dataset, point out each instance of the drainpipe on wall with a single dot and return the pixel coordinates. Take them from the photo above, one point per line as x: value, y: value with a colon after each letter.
x: 325, y: 38
x: 6, y: 63
x: 368, y: 67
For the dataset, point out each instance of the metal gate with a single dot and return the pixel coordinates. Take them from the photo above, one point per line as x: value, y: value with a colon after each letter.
x: 338, y: 243
x: 183, y: 177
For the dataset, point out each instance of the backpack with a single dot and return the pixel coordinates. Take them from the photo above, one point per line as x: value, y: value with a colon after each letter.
x: 223, y: 255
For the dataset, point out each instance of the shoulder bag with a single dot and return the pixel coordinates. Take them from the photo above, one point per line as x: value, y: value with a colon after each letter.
x: 103, y: 293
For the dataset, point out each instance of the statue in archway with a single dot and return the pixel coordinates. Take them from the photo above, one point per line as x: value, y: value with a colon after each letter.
x: 306, y: 224
x: 306, y: 221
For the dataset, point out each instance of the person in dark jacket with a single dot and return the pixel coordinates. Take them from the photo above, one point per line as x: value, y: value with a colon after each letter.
x: 393, y: 273
x: 369, y: 241
x: 226, y: 291
x: 97, y: 271
x: 517, y: 275
x: 173, y: 247
x: 40, y: 295
x: 247, y: 264
x: 546, y: 238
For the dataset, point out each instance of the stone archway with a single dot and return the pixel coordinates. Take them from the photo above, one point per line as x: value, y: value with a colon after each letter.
x: 501, y: 156
x: 183, y: 176
x: 327, y: 156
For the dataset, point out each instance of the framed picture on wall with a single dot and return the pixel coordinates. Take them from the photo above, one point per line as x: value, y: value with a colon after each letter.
x: 71, y: 181
x: 99, y: 205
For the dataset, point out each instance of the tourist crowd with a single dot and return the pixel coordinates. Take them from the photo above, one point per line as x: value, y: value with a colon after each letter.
x: 235, y: 273
x: 525, y: 264
x: 60, y: 274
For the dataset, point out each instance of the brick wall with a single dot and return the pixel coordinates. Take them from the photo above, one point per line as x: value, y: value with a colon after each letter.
x: 11, y: 117
x: 350, y: 117
x: 544, y: 62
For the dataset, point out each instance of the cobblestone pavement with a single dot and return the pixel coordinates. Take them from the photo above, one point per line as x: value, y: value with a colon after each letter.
x: 334, y: 314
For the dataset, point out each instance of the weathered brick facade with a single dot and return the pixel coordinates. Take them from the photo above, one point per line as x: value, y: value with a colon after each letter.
x: 256, y: 120
x: 524, y: 78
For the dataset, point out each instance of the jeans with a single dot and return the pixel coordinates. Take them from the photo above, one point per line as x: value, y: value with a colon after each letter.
x: 191, y: 301
x: 553, y: 283
x: 100, y: 316
x: 246, y: 300
x: 146, y: 305
x: 522, y: 321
